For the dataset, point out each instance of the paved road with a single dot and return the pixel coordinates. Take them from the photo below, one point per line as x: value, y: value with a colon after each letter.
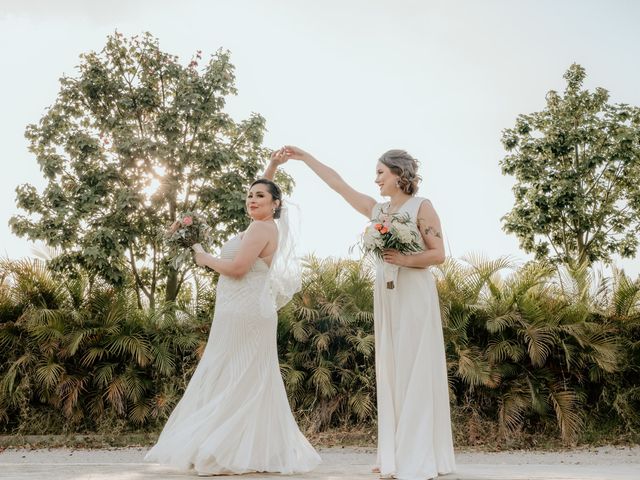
x: 606, y: 463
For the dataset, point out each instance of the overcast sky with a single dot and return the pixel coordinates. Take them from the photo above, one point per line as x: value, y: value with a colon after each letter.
x: 345, y: 80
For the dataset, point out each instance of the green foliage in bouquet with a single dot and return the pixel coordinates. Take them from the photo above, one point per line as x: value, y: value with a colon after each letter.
x: 190, y: 230
x: 391, y: 231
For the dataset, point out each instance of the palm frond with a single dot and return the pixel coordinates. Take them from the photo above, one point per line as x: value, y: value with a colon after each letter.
x: 321, y: 380
x: 566, y: 406
x: 49, y: 374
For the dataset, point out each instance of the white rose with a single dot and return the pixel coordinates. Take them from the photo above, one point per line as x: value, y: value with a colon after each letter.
x: 372, y: 239
x: 403, y: 233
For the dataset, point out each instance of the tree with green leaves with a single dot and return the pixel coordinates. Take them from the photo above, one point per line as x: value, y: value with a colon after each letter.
x: 577, y: 170
x: 130, y: 142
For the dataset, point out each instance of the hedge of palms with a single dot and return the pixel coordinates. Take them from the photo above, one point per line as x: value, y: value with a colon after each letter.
x: 527, y: 348
x: 78, y: 355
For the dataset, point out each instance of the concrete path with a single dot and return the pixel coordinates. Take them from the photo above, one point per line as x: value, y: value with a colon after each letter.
x: 605, y: 463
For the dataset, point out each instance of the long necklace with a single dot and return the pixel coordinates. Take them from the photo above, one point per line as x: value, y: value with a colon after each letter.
x: 396, y: 210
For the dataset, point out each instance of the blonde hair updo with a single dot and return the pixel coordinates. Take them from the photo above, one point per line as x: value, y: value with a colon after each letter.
x: 406, y: 167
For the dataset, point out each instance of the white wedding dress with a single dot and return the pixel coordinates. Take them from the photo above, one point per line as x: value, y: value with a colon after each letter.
x: 234, y: 416
x: 414, y: 425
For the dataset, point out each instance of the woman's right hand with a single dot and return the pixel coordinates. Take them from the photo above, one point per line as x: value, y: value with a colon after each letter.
x: 296, y: 153
x: 174, y: 227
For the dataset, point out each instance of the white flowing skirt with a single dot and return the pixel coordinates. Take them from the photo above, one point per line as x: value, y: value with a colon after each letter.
x: 414, y: 425
x: 234, y: 416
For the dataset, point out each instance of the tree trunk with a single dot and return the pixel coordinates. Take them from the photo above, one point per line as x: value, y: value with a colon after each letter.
x: 582, y: 249
x: 137, y: 289
x: 172, y: 285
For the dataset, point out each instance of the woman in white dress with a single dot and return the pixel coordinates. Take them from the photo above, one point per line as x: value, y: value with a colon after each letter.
x: 414, y: 426
x: 234, y: 416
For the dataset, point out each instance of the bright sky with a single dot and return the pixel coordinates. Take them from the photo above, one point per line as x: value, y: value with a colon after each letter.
x: 345, y: 80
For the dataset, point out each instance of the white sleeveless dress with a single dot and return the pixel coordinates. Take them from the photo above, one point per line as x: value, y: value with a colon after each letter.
x: 234, y: 416
x: 414, y: 425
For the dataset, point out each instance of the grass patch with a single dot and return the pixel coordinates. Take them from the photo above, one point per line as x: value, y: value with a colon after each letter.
x: 78, y: 441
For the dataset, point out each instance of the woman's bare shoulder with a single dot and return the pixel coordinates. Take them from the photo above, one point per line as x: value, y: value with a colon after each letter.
x: 262, y: 227
x: 426, y: 207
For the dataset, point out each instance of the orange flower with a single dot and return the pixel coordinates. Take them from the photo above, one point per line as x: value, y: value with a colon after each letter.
x: 378, y: 226
x: 384, y: 230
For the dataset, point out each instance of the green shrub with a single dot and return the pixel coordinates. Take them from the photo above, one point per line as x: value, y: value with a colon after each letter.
x: 529, y: 350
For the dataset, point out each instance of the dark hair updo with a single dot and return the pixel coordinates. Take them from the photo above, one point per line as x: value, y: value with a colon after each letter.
x: 405, y: 166
x: 275, y: 192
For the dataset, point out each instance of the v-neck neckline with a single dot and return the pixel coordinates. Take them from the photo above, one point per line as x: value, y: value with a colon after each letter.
x: 399, y: 208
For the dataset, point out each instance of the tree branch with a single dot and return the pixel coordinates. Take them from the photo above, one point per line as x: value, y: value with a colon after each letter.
x: 136, y: 275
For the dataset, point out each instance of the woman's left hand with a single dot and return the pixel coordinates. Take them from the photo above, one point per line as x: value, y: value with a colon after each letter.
x: 199, y: 258
x: 196, y: 247
x: 278, y: 157
x: 393, y: 257
x: 199, y: 254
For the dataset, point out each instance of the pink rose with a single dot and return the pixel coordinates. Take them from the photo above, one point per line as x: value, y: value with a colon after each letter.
x: 186, y: 221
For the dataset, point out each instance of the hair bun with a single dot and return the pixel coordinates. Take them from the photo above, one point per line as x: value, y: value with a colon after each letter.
x: 405, y: 167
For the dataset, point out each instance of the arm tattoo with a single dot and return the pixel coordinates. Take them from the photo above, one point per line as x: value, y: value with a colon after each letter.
x: 429, y: 230
x: 433, y: 231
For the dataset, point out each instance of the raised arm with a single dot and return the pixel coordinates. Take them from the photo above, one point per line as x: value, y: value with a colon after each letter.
x: 277, y: 159
x: 255, y: 239
x: 361, y: 202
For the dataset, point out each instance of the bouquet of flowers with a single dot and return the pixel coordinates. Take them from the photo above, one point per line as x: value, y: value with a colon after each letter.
x: 395, y: 231
x: 186, y: 232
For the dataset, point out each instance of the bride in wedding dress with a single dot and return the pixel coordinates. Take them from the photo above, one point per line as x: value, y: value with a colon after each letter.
x: 234, y: 416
